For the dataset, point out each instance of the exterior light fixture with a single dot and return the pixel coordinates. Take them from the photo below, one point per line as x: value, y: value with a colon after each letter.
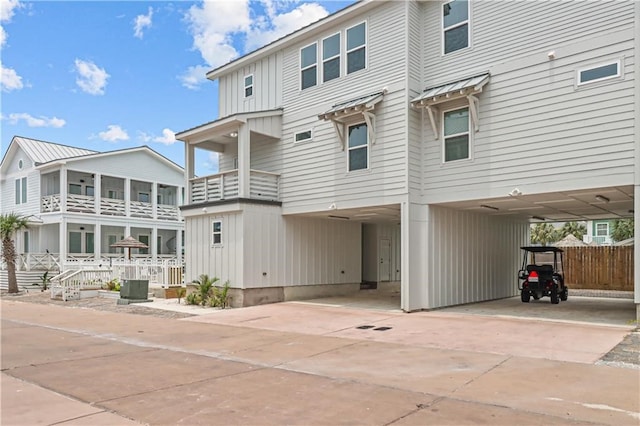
x: 602, y: 198
x: 538, y: 217
x: 233, y: 134
x: 484, y: 206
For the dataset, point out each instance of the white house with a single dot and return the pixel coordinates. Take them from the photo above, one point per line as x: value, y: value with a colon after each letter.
x: 414, y: 142
x: 79, y: 202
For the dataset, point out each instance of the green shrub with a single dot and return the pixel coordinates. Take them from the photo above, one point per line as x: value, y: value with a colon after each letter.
x: 192, y: 299
x: 205, y: 286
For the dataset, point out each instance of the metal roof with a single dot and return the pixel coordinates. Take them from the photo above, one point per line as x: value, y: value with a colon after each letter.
x: 44, y: 152
x: 354, y: 105
x: 435, y: 93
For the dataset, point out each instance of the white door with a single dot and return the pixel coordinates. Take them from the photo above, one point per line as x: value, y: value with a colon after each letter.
x: 384, y: 271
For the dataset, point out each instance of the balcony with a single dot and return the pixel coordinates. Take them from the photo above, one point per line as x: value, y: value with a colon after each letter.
x: 224, y: 186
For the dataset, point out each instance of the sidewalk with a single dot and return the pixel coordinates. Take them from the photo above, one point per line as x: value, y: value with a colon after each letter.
x: 298, y: 363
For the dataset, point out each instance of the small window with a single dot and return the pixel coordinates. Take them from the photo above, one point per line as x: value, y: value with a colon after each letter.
x: 599, y: 73
x: 20, y: 164
x: 75, y: 242
x: 358, y: 147
x: 75, y: 189
x: 356, y: 48
x: 25, y: 243
x: 248, y: 86
x: 89, y: 242
x: 144, y: 197
x: 145, y: 240
x: 309, y: 66
x: 113, y: 195
x: 89, y: 191
x: 302, y: 136
x: 331, y: 58
x: 456, y: 135
x: 602, y: 229
x: 216, y: 232
x: 21, y: 190
x: 455, y: 25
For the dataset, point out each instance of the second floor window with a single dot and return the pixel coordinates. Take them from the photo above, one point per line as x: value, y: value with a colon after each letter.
x: 21, y: 190
x: 602, y: 229
x: 356, y: 48
x: 248, y: 86
x: 309, y: 66
x: 216, y: 232
x: 456, y: 134
x: 358, y: 147
x: 331, y: 58
x: 455, y: 25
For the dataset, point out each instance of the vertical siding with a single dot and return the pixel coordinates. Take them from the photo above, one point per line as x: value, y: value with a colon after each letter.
x: 415, y: 34
x: 532, y: 108
x: 473, y: 257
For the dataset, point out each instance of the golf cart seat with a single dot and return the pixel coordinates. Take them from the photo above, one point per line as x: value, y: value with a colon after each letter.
x: 545, y: 272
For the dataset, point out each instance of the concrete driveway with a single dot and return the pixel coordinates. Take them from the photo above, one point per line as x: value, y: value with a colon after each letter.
x: 301, y: 363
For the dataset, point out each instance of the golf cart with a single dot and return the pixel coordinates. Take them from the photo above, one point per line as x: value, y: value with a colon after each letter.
x: 542, y: 276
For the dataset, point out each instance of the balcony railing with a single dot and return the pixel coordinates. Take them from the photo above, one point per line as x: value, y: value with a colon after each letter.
x: 109, y: 206
x: 224, y: 186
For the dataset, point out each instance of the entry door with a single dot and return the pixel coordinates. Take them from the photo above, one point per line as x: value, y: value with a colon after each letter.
x: 385, y: 260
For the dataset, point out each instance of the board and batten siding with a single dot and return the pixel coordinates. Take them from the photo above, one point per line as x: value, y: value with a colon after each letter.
x: 473, y: 257
x: 541, y: 132
x: 415, y: 34
x: 267, y: 87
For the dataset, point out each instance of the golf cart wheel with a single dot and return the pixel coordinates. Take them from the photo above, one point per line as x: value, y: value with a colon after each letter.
x: 564, y: 295
x: 555, y: 297
x: 525, y: 296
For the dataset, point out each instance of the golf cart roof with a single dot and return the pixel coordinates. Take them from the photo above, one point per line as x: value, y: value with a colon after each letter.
x: 542, y: 249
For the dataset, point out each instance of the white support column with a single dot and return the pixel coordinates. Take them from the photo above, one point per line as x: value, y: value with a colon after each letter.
x: 414, y: 256
x: 64, y: 189
x: 127, y: 197
x: 97, y: 191
x: 62, y: 248
x: 636, y: 192
x: 189, y: 171
x: 154, y: 200
x: 179, y: 246
x: 153, y: 244
x: 97, y: 241
x: 244, y: 161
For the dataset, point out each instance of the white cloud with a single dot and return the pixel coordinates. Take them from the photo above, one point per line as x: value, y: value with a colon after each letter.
x: 32, y: 121
x: 114, y: 133
x: 215, y: 24
x: 144, y: 137
x: 3, y: 36
x: 7, y: 9
x: 168, y: 137
x: 141, y: 22
x: 9, y: 79
x: 91, y: 78
x: 193, y: 77
x: 212, y: 163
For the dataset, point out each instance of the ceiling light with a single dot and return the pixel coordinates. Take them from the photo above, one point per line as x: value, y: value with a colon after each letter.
x: 515, y: 192
x: 489, y: 207
x: 339, y: 217
x: 602, y: 198
x: 233, y: 134
x: 538, y: 218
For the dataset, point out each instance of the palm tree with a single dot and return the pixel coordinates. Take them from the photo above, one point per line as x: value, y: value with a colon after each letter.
x: 11, y: 223
x: 544, y: 233
x: 205, y: 286
x: 574, y: 228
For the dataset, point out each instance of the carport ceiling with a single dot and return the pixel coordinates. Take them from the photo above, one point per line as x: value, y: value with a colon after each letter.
x: 373, y: 214
x: 587, y: 204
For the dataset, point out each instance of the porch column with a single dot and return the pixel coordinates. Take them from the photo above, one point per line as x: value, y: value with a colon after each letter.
x: 97, y: 242
x: 189, y: 172
x: 244, y: 161
x: 153, y: 244
x: 414, y: 256
x: 62, y: 249
x: 179, y: 246
x: 127, y: 198
x: 97, y: 191
x: 154, y: 200
x: 636, y: 189
x: 63, y: 188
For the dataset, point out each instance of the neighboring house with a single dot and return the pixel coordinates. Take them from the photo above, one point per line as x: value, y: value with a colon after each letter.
x: 79, y: 202
x: 414, y: 142
x: 599, y: 232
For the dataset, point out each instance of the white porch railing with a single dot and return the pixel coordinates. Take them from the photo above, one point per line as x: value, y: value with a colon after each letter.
x: 112, y: 206
x: 68, y: 284
x: 37, y: 262
x: 50, y: 203
x: 167, y: 212
x: 81, y: 203
x: 140, y: 209
x: 224, y: 186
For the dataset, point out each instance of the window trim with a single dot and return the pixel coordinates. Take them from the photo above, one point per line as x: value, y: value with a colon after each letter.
x: 367, y: 146
x: 618, y: 75
x: 443, y: 30
x: 365, y: 45
x: 597, y: 234
x: 250, y: 86
x: 338, y: 56
x: 468, y: 132
x: 214, y: 233
x: 301, y: 69
x: 21, y: 190
x: 310, y: 138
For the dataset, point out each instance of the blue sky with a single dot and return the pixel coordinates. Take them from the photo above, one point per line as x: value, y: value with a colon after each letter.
x: 109, y: 75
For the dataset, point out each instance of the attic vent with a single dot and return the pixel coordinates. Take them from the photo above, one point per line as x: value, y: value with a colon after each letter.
x: 20, y: 164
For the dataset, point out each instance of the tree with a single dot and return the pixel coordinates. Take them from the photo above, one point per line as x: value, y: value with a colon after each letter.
x: 621, y: 229
x: 11, y: 223
x: 574, y: 228
x: 544, y: 233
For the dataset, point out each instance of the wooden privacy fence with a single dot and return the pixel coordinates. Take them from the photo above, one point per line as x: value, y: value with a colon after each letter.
x: 599, y: 267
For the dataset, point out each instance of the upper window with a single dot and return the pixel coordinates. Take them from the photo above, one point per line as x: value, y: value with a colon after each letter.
x: 309, y: 66
x: 358, y: 147
x: 216, y: 232
x: 21, y: 190
x: 248, y: 86
x: 302, y: 136
x: 144, y: 197
x: 456, y: 134
x: 602, y: 229
x: 599, y: 73
x: 356, y: 48
x: 455, y: 25
x: 331, y: 58
x: 75, y: 189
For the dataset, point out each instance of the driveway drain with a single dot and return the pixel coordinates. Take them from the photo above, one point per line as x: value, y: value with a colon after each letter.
x: 365, y: 327
x: 382, y: 329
